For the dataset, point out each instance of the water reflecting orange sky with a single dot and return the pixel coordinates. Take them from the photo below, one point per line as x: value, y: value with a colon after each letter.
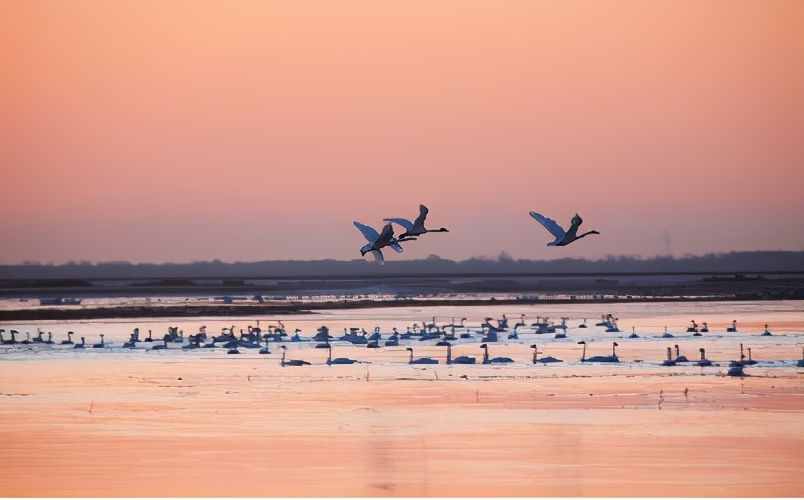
x: 176, y: 131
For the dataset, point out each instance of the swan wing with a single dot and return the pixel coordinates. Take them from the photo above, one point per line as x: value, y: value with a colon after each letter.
x: 386, y: 236
x: 396, y: 246
x: 419, y: 222
x: 576, y: 223
x: 408, y: 225
x: 549, y: 224
x: 378, y: 256
x: 369, y: 232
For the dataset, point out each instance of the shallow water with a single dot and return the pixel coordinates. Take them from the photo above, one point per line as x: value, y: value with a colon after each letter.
x: 782, y: 316
x: 115, y: 422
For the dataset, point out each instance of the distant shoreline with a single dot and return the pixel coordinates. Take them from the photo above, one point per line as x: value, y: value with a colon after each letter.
x: 310, y: 308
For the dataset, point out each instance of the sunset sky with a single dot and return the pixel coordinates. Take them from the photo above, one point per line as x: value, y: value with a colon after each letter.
x: 249, y: 130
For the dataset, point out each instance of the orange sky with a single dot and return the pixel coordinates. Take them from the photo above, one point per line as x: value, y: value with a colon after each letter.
x: 177, y: 131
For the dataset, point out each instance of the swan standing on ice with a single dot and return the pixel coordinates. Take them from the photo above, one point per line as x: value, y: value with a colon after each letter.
x: 416, y: 228
x: 377, y: 241
x: 562, y: 238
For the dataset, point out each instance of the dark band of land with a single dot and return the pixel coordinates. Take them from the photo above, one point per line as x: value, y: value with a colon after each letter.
x: 308, y: 308
x: 279, y: 288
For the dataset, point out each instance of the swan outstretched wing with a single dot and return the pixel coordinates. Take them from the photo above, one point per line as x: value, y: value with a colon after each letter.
x: 408, y: 225
x: 369, y: 232
x: 574, y: 225
x: 423, y: 211
x: 386, y: 236
x: 550, y: 225
x: 378, y: 256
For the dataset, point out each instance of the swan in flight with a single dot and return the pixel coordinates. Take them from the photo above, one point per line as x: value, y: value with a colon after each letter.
x: 416, y: 228
x: 377, y: 241
x: 562, y: 238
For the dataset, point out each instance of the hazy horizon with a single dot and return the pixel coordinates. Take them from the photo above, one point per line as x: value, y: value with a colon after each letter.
x: 733, y: 262
x: 169, y: 132
x: 502, y: 256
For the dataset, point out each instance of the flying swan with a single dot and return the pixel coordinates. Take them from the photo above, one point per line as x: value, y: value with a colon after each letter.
x: 562, y: 238
x: 377, y: 241
x: 416, y: 228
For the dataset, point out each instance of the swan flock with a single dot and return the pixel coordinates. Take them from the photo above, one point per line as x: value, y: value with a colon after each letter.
x: 412, y: 230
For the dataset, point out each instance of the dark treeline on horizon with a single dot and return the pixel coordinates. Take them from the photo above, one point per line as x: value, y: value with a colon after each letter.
x: 767, y: 261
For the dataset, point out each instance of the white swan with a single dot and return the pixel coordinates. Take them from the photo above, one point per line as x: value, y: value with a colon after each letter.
x: 562, y: 238
x: 338, y: 361
x: 420, y: 361
x: 600, y: 359
x: 377, y: 241
x: 488, y: 361
x: 460, y: 360
x: 416, y: 228
x: 548, y: 359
